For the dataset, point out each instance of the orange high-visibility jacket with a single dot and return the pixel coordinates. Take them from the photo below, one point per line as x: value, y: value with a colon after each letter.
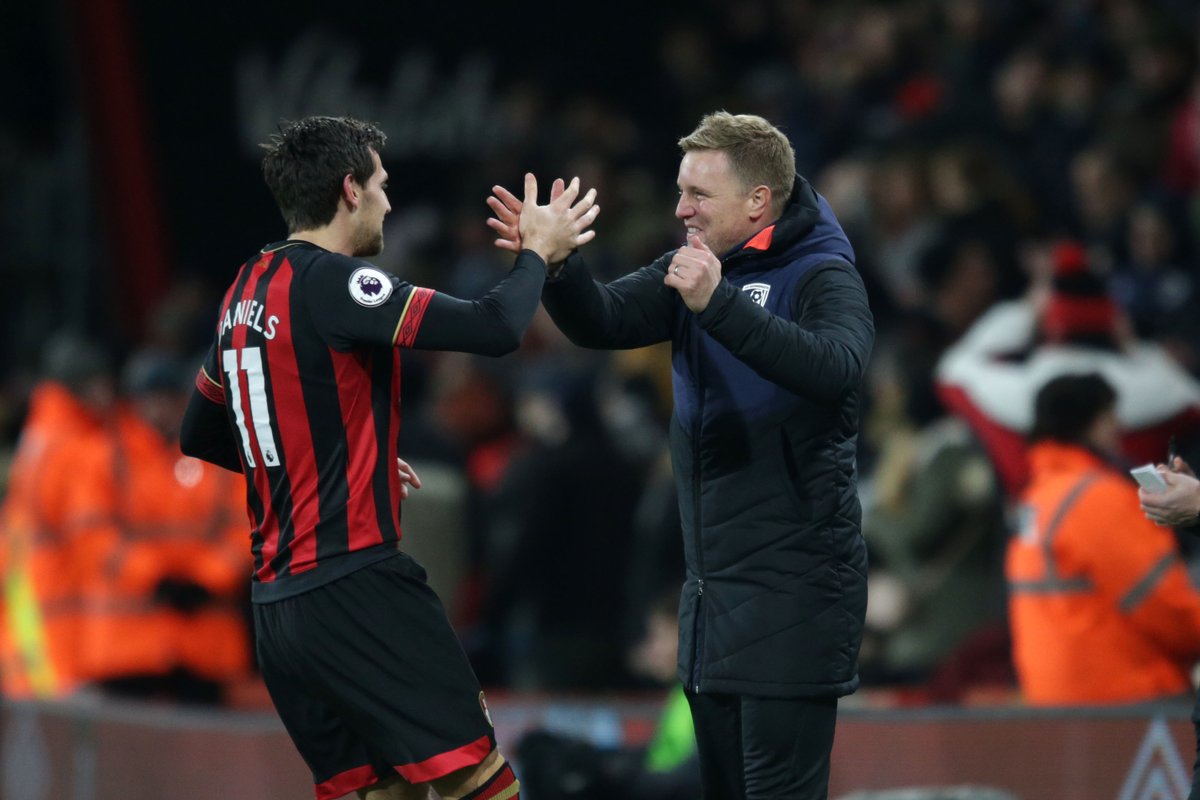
x: 39, y: 623
x: 141, y: 512
x: 1101, y: 606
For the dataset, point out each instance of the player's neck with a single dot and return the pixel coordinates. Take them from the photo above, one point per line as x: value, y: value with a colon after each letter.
x: 332, y: 237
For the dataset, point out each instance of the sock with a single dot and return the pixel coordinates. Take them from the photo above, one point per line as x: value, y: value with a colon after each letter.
x: 501, y: 786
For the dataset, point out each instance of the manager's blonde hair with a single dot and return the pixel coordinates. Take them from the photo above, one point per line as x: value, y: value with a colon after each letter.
x: 759, y: 153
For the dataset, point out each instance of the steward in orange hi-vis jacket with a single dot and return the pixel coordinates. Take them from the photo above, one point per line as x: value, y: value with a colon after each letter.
x: 39, y: 602
x: 162, y: 543
x: 1101, y: 606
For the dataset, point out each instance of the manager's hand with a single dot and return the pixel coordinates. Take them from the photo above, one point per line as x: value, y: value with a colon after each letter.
x: 555, y: 229
x: 507, y: 208
x: 694, y: 272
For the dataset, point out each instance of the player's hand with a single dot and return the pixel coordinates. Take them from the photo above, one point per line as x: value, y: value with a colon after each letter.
x: 1177, y: 505
x: 507, y: 208
x: 694, y: 272
x: 408, y: 477
x: 555, y: 229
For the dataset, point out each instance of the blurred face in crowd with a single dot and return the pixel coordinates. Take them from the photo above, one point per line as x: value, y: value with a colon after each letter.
x: 373, y: 207
x: 163, y: 410
x: 1151, y: 241
x: 713, y: 203
x: 98, y: 393
x: 1105, y: 433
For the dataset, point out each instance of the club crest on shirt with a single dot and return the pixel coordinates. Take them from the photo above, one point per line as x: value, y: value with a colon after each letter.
x: 370, y: 287
x: 758, y: 292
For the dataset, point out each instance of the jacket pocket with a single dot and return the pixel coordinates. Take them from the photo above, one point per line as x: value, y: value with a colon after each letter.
x: 795, y: 485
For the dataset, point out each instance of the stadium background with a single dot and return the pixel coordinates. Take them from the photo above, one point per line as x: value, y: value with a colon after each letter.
x: 129, y: 161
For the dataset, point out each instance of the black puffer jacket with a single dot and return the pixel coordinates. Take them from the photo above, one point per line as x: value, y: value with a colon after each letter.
x: 766, y: 384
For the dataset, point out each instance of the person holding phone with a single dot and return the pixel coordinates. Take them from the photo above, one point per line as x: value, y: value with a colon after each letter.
x: 1101, y: 606
x: 1178, y: 505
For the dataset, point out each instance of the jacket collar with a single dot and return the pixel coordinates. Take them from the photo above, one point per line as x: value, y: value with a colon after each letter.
x: 1049, y: 456
x: 799, y: 217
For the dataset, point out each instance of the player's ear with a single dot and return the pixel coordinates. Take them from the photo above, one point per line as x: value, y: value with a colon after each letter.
x: 350, y: 191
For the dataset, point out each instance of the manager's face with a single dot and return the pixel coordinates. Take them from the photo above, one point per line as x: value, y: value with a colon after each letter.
x: 713, y: 203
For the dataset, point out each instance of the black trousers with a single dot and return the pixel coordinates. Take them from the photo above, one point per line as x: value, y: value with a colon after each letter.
x: 755, y: 748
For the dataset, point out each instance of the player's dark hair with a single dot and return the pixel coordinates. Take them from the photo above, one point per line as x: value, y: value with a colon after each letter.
x: 1066, y: 407
x: 306, y: 161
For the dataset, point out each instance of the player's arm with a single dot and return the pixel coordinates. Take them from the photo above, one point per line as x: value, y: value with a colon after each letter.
x: 352, y: 302
x: 205, y: 432
x: 634, y: 311
x: 493, y: 325
x: 398, y: 314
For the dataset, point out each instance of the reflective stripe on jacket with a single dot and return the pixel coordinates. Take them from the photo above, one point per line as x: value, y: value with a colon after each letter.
x: 39, y: 623
x: 1101, y: 606
x: 142, y: 514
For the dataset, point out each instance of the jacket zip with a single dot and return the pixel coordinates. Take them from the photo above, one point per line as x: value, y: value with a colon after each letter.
x: 697, y: 426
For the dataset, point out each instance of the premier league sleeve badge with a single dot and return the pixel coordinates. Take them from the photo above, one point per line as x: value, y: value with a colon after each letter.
x: 370, y: 287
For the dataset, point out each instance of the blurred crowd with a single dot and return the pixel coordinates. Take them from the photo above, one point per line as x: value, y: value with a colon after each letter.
x: 1021, y: 182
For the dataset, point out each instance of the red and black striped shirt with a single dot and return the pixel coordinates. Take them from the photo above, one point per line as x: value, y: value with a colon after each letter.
x: 306, y: 362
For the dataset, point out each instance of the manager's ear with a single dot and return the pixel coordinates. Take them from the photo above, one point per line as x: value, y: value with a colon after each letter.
x: 350, y: 191
x: 760, y: 202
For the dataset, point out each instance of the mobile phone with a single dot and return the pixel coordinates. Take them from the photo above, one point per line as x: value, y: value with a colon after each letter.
x: 1149, y: 478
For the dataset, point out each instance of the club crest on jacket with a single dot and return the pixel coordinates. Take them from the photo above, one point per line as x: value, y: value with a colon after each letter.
x: 758, y: 292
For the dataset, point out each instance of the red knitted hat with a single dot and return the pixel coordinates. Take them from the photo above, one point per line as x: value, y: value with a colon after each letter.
x: 1079, y: 306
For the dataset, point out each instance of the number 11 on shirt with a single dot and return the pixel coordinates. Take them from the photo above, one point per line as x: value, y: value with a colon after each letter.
x: 260, y: 413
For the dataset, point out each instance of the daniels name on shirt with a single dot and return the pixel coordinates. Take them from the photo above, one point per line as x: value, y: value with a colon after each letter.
x: 249, y: 312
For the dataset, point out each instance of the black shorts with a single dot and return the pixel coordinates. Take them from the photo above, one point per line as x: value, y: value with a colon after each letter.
x: 370, y: 680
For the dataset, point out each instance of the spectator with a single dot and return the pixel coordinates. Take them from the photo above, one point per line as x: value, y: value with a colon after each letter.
x: 557, y: 625
x: 159, y: 545
x: 1104, y: 187
x: 934, y: 527
x: 1102, y: 608
x: 472, y: 408
x: 990, y: 376
x: 39, y: 633
x: 1154, y: 285
x: 903, y: 227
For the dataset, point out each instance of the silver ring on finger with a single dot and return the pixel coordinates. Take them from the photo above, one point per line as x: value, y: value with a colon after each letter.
x: 676, y: 269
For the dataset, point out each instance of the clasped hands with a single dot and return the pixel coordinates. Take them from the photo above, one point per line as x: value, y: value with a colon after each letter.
x: 554, y: 230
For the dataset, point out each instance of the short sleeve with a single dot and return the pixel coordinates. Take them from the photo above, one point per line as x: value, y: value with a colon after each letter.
x: 208, y: 379
x: 354, y: 303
